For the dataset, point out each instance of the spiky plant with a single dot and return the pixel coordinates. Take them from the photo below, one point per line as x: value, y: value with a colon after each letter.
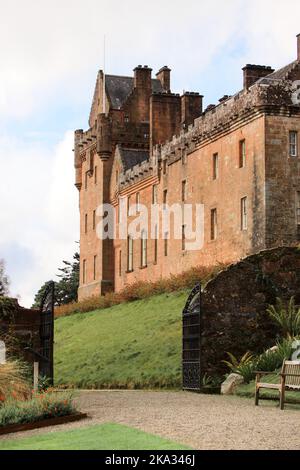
x: 244, y: 366
x: 13, y: 381
x: 286, y: 316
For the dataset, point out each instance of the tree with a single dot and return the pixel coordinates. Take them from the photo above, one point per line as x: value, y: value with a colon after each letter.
x: 4, y: 281
x: 69, y: 281
x: 66, y: 288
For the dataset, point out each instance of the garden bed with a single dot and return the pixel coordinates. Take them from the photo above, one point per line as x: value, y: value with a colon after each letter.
x: 10, y: 428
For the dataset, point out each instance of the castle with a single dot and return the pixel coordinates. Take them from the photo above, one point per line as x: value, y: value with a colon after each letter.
x: 239, y: 159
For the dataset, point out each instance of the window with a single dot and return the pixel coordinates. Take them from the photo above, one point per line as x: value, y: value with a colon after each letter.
x: 183, y: 238
x: 138, y: 201
x: 120, y: 263
x: 166, y: 243
x: 164, y: 167
x: 130, y: 254
x: 126, y: 118
x: 95, y: 267
x: 86, y: 180
x: 242, y: 154
x: 154, y: 194
x: 143, y: 249
x: 128, y: 204
x: 94, y: 220
x: 183, y: 157
x: 215, y: 166
x: 165, y: 197
x: 183, y: 191
x: 298, y: 207
x: 244, y: 214
x: 117, y: 177
x: 95, y: 175
x: 155, y: 245
x: 85, y: 223
x: 84, y: 271
x: 213, y: 224
x: 293, y: 144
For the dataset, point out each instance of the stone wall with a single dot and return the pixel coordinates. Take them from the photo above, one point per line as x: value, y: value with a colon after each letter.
x: 234, y: 305
x: 20, y: 331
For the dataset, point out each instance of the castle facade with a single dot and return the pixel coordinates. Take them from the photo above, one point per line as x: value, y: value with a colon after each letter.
x: 239, y: 160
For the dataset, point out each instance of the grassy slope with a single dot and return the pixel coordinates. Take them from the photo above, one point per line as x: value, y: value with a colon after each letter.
x: 100, y: 437
x: 133, y: 345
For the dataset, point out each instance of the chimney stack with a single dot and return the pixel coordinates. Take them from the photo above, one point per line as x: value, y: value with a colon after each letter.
x: 252, y: 73
x: 298, y: 47
x: 164, y: 76
x: 191, y: 107
x: 142, y: 77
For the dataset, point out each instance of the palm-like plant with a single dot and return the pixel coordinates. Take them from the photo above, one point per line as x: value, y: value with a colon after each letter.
x: 287, y: 317
x: 244, y: 366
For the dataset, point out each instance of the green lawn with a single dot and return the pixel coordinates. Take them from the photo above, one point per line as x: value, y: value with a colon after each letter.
x: 131, y: 345
x: 100, y: 437
x: 248, y: 390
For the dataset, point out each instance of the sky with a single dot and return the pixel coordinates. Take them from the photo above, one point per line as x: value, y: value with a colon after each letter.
x: 50, y: 53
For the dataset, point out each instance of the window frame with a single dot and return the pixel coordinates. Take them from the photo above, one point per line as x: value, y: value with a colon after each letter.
x: 244, y: 214
x: 293, y: 144
x: 242, y: 153
x: 215, y: 166
x: 129, y: 254
x: 143, y: 249
x: 213, y: 224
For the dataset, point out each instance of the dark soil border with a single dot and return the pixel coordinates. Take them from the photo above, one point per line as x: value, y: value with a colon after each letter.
x: 10, y: 428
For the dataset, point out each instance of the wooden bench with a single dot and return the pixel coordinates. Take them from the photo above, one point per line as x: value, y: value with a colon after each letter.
x: 289, y: 380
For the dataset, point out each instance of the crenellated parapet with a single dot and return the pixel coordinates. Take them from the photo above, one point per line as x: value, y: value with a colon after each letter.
x: 267, y: 96
x: 138, y: 173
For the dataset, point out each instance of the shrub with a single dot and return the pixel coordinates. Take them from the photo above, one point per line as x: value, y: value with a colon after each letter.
x: 269, y: 361
x: 41, y: 406
x: 141, y: 290
x: 13, y: 381
x: 287, y: 317
x: 244, y: 366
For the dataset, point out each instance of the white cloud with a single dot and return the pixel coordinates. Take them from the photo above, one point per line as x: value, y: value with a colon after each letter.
x: 49, y: 55
x: 39, y: 212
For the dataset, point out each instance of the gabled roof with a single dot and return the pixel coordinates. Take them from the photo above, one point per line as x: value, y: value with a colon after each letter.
x: 133, y: 157
x: 118, y: 88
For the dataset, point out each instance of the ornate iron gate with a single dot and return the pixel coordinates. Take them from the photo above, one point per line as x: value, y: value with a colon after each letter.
x: 47, y: 333
x: 191, y: 342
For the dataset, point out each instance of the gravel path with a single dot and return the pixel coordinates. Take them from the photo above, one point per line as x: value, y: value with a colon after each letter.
x: 200, y: 421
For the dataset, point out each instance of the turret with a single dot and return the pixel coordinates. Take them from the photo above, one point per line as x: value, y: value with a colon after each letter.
x: 104, y: 144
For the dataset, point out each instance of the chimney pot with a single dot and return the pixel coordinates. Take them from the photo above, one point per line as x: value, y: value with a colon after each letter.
x: 164, y: 76
x: 252, y: 73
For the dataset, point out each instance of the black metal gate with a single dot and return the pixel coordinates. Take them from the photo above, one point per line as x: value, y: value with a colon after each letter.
x: 191, y: 342
x: 47, y: 333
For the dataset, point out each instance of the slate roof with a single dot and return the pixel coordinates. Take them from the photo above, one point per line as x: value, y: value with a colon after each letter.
x: 282, y: 74
x: 119, y: 88
x: 132, y: 157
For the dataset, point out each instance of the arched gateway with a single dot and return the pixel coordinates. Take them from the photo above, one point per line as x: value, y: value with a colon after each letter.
x: 230, y: 314
x: 191, y: 341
